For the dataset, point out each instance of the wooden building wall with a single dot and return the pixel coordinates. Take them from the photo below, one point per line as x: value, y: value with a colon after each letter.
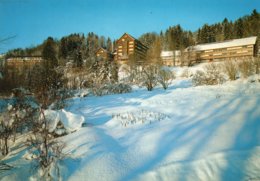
x: 129, y: 48
x: 104, y: 54
x: 219, y: 54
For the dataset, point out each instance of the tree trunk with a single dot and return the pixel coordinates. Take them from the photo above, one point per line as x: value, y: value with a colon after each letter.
x: 6, y: 146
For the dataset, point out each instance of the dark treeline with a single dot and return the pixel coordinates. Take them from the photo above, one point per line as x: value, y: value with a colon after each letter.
x: 243, y: 27
x: 176, y: 38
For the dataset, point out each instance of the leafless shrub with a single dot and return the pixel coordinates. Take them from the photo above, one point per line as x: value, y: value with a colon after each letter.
x: 46, y: 150
x: 16, y: 119
x: 186, y: 73
x: 149, y: 76
x: 246, y: 68
x: 210, y: 76
x: 199, y: 78
x: 230, y: 68
x: 134, y: 74
x: 6, y: 131
x: 165, y: 77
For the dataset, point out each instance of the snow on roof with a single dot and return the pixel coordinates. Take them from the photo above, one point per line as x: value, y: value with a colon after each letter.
x: 170, y: 53
x: 226, y: 44
x: 166, y: 53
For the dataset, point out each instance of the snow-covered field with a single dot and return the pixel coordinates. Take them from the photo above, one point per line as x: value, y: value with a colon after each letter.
x: 183, y: 133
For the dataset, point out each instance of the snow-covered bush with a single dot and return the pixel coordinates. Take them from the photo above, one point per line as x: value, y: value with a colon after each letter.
x: 210, y: 76
x: 230, y: 68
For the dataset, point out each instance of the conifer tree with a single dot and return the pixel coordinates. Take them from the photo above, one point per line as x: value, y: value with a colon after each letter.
x: 239, y: 28
x: 49, y: 54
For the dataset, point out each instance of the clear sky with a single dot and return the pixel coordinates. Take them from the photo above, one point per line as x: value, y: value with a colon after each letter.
x: 32, y: 21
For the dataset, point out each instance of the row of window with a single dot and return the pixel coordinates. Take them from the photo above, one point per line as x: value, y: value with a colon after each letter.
x: 226, y: 49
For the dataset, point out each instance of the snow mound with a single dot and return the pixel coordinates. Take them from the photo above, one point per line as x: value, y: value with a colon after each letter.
x: 53, y: 119
x: 70, y: 121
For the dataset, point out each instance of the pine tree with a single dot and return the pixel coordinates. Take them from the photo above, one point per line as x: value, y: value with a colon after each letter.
x: 49, y: 54
x: 227, y: 29
x: 102, y: 42
x: 239, y: 28
x: 78, y: 61
x: 109, y: 45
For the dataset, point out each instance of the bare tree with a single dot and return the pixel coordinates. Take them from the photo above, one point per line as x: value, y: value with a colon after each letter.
x: 165, y: 77
x: 6, y: 132
x: 149, y: 76
x: 46, y: 150
x: 16, y: 119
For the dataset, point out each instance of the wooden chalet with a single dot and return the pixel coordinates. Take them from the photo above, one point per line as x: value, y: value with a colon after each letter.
x: 231, y: 49
x: 129, y: 49
x: 104, y: 54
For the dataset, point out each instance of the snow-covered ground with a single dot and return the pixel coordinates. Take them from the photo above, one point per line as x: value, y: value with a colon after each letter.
x: 183, y: 133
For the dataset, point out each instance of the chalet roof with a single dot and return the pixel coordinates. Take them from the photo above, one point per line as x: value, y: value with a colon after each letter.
x: 132, y: 39
x: 166, y: 53
x: 225, y: 44
x: 127, y: 35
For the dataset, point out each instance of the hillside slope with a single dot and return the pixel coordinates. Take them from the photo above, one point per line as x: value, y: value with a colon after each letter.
x: 183, y: 133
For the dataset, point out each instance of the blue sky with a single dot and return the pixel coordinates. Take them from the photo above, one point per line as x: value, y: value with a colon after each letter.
x: 32, y: 21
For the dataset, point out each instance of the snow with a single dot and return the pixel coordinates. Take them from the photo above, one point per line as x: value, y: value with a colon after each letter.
x: 209, y: 133
x: 183, y: 133
x: 70, y: 121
